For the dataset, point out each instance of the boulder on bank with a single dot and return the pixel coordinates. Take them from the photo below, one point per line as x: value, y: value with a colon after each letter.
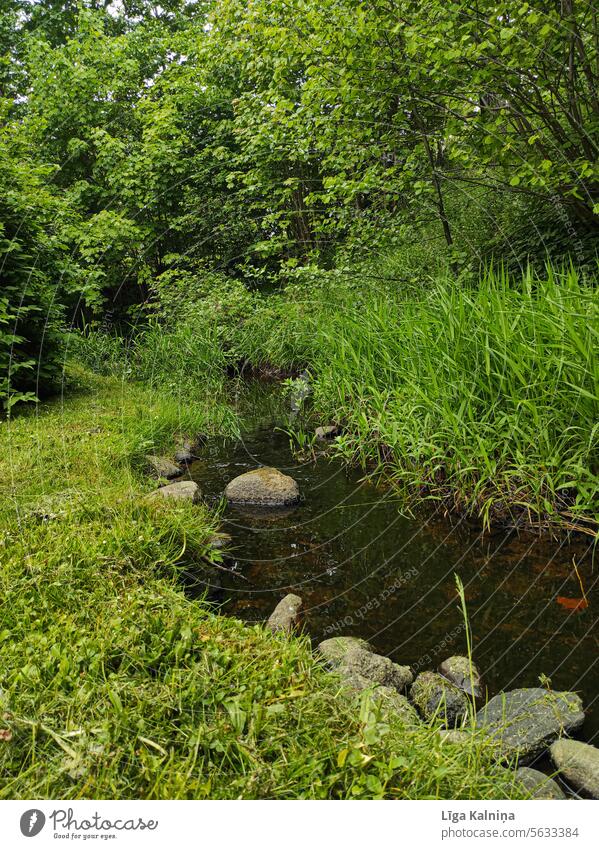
x: 455, y: 736
x: 286, y: 615
x: 350, y: 657
x: 463, y: 674
x: 435, y: 696
x: 327, y: 432
x: 523, y: 723
x: 265, y: 486
x: 180, y: 491
x: 539, y: 785
x: 161, y: 467
x: 578, y: 763
x: 335, y: 649
x: 185, y: 454
x: 386, y: 698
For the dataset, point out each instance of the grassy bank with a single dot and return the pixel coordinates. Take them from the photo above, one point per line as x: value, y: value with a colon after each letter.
x: 484, y: 395
x: 114, y: 684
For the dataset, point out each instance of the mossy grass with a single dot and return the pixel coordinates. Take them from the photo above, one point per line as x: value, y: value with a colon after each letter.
x: 114, y: 684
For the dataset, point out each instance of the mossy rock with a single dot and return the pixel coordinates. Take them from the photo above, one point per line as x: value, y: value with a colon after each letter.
x: 539, y: 785
x: 387, y: 699
x: 161, y: 467
x: 435, y: 697
x: 523, y: 723
x: 179, y: 491
x: 464, y: 674
x: 351, y: 656
x: 285, y: 618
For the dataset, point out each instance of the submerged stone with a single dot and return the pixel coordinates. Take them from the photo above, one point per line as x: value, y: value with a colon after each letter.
x: 523, y: 723
x: 221, y: 540
x: 265, y: 486
x: 435, y: 697
x: 578, y: 763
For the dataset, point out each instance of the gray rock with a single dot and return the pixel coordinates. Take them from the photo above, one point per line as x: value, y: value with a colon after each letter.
x: 286, y: 615
x: 393, y: 702
x: 350, y: 656
x: 434, y: 696
x: 180, y: 491
x: 455, y: 736
x: 335, y: 649
x: 264, y: 486
x: 539, y: 785
x: 578, y: 763
x: 377, y: 668
x: 523, y: 723
x: 162, y: 468
x: 462, y: 673
x: 326, y: 432
x: 185, y: 454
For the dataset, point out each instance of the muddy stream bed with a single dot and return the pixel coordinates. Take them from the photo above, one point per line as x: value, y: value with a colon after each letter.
x: 364, y: 568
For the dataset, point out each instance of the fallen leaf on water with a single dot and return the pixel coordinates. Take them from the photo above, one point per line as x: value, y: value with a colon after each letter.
x: 572, y: 603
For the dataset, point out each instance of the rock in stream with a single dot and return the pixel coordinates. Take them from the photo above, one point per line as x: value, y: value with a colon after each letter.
x: 265, y: 486
x: 286, y: 615
x: 179, y: 491
x: 523, y: 723
x: 161, y: 467
x: 578, y: 763
x: 462, y: 673
x: 434, y: 696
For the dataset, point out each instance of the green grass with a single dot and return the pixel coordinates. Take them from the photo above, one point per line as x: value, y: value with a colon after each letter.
x: 488, y: 395
x: 485, y: 396
x: 113, y: 684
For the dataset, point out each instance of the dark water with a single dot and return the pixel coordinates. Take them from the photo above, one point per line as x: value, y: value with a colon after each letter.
x: 363, y: 568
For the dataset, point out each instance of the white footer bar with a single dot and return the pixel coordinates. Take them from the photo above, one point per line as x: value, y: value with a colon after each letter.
x: 305, y: 824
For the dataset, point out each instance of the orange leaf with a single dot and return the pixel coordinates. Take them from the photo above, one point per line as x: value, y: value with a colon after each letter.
x: 572, y: 603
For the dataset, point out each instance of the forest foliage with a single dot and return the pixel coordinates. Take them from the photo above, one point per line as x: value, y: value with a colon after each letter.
x: 145, y: 145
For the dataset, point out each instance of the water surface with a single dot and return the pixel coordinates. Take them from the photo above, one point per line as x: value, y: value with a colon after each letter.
x: 364, y: 568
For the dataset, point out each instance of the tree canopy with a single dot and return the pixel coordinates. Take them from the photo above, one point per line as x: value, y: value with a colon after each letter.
x: 139, y: 143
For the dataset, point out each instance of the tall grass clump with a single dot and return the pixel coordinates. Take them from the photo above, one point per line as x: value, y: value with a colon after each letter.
x: 184, y: 359
x: 487, y: 394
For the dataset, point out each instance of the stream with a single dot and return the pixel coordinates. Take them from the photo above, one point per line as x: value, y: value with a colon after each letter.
x: 364, y: 568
